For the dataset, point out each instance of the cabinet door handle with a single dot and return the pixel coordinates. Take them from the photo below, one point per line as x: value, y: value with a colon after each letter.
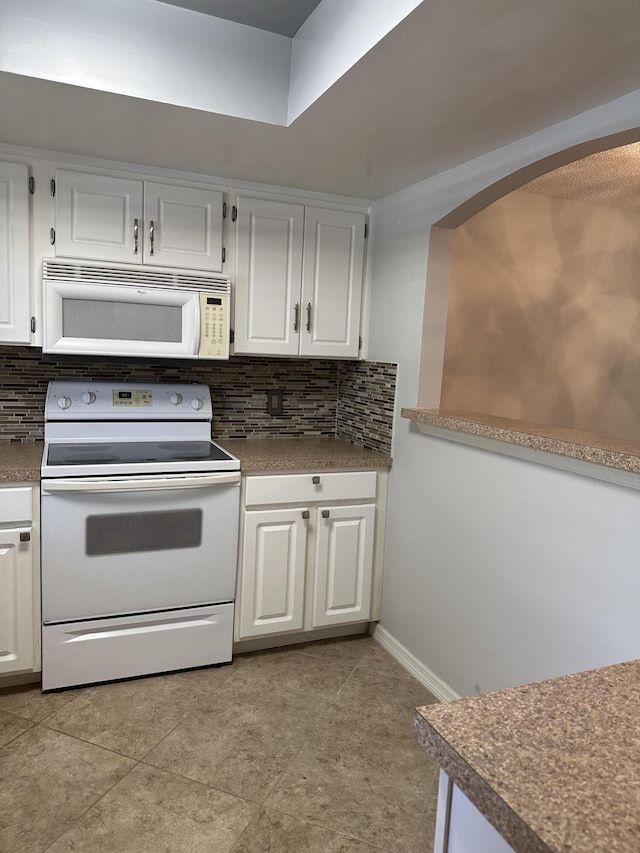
x: 136, y: 226
x: 25, y: 536
x: 296, y: 317
x: 152, y: 234
x: 325, y: 513
x: 315, y: 480
x: 308, y: 316
x: 305, y: 513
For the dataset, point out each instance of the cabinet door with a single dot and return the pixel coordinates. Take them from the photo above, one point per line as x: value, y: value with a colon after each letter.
x: 98, y: 217
x: 272, y: 572
x: 15, y: 299
x: 332, y: 282
x: 344, y: 564
x: 16, y: 611
x: 183, y: 227
x: 268, y: 276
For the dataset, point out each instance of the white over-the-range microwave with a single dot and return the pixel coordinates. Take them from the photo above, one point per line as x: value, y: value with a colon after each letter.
x: 119, y: 310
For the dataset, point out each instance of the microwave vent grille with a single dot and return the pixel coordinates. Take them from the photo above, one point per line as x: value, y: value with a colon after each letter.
x: 145, y: 277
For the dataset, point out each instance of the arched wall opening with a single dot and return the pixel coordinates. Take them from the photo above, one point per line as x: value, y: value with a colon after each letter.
x: 532, y: 308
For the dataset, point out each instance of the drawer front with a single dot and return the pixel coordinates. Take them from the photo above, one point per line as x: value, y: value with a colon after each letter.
x: 106, y: 649
x: 15, y: 505
x: 310, y: 488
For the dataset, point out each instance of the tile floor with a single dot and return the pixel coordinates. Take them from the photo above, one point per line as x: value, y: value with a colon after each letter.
x: 303, y: 749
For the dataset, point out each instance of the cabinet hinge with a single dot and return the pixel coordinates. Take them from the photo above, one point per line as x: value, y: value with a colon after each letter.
x: 359, y: 343
x: 33, y: 324
x: 232, y: 336
x: 224, y: 254
x: 234, y: 213
x: 224, y: 209
x: 32, y: 185
x: 366, y: 230
x: 52, y: 187
x: 52, y: 236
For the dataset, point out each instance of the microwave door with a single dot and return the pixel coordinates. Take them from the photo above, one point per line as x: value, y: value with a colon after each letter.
x: 115, y: 319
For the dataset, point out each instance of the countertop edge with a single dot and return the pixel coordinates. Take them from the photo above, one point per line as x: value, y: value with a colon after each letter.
x: 602, y: 462
x: 484, y: 797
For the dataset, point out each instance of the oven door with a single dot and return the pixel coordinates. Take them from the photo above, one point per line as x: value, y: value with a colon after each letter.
x: 123, y: 545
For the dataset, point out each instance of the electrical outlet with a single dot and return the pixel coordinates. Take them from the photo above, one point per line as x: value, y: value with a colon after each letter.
x: 274, y: 402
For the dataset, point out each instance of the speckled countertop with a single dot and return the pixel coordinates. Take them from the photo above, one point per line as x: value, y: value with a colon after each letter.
x: 554, y: 766
x: 588, y: 446
x: 301, y: 454
x: 20, y: 461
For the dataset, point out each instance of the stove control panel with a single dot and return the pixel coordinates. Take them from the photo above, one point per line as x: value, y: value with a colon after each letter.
x: 127, y: 401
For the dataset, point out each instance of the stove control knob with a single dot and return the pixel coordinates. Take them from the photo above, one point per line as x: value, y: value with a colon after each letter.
x: 64, y: 402
x: 197, y: 403
x: 175, y: 399
x: 88, y: 397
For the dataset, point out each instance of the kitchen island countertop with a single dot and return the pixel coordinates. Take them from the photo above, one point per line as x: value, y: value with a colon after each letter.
x: 301, y: 454
x: 20, y: 461
x: 554, y: 766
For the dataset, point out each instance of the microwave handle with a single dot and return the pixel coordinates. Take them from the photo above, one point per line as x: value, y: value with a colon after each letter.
x: 94, y: 485
x: 136, y: 228
x: 152, y: 236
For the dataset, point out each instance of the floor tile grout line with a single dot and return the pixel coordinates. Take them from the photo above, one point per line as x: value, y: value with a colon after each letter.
x: 330, y: 829
x: 95, y: 803
x: 90, y: 743
x: 15, y: 737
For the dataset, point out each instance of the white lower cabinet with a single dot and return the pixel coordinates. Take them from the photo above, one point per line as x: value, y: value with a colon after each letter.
x: 307, y: 565
x: 343, y: 564
x: 19, y: 588
x: 272, y: 571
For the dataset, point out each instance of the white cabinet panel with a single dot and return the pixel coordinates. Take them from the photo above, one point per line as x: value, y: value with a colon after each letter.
x: 183, y: 227
x: 122, y: 219
x: 272, y: 572
x: 298, y: 279
x: 16, y: 603
x: 99, y: 217
x: 268, y: 274
x: 332, y: 282
x: 15, y: 296
x: 344, y: 562
x: 305, y: 488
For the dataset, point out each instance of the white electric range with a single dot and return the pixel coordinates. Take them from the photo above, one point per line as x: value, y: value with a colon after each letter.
x: 140, y: 515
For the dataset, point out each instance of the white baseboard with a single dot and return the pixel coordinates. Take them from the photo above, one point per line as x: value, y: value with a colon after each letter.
x: 411, y: 663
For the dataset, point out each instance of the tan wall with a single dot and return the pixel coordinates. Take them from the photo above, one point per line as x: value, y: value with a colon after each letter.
x: 544, y: 315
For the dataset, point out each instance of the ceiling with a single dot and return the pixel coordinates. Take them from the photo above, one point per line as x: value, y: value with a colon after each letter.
x: 454, y: 80
x: 610, y: 178
x: 275, y: 16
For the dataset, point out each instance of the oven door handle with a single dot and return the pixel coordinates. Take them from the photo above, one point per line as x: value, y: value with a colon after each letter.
x: 84, y: 485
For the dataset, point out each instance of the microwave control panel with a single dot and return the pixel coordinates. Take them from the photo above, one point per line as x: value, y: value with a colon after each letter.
x: 214, y: 326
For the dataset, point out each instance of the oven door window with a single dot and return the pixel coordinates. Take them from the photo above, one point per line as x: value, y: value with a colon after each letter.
x: 128, y: 533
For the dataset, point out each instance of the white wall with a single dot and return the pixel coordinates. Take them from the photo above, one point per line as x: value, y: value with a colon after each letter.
x: 497, y: 571
x: 149, y: 50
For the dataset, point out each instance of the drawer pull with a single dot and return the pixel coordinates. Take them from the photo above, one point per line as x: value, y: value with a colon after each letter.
x: 315, y: 480
x: 325, y: 513
x: 305, y: 513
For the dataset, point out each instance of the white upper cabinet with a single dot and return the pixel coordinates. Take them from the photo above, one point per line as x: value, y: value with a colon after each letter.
x: 298, y: 283
x: 332, y: 282
x: 98, y: 217
x: 15, y: 288
x: 121, y: 219
x: 183, y: 227
x: 268, y: 275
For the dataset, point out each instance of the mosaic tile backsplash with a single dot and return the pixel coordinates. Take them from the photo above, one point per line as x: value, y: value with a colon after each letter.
x: 321, y: 397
